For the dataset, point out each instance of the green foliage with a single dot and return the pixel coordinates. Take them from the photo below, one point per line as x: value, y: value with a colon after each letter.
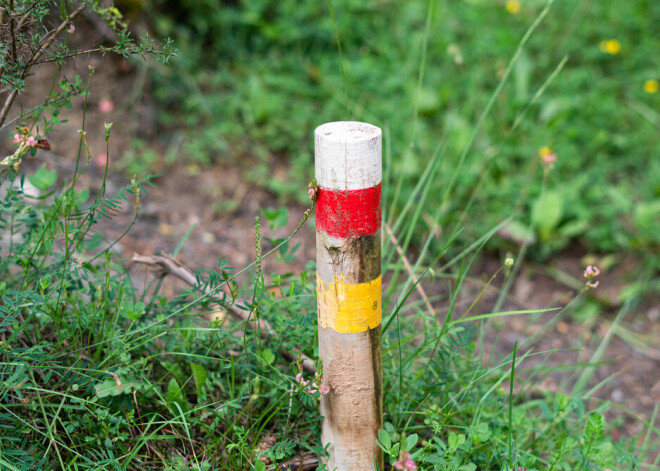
x: 276, y: 217
x: 43, y: 179
x: 88, y: 362
x: 255, y: 78
x: 113, y: 376
x: 463, y: 427
x: 32, y: 34
x: 56, y: 296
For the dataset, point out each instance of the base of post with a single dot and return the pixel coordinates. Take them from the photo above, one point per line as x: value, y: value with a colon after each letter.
x: 352, y: 411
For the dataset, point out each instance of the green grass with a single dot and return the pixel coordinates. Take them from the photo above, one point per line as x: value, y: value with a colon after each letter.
x: 98, y: 374
x: 256, y: 79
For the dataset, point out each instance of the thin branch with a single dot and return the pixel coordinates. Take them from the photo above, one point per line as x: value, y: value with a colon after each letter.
x: 12, y: 31
x: 46, y: 44
x: 48, y: 101
x: 26, y: 15
x: 37, y: 55
x: 70, y: 55
x: 166, y: 265
x: 406, y: 263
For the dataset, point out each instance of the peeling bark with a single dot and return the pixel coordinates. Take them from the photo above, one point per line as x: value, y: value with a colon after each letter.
x: 356, y: 260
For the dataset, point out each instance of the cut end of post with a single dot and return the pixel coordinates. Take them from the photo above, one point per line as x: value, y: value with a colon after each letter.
x: 347, y: 131
x: 348, y: 155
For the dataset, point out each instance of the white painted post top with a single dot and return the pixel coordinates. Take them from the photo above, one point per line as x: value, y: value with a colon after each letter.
x: 348, y: 155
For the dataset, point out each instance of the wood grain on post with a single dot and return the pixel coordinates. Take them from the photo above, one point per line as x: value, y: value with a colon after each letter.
x: 348, y: 219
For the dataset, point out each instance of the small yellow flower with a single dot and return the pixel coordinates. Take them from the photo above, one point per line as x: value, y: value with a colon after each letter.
x: 513, y: 6
x: 544, y: 151
x: 651, y: 86
x: 613, y: 46
x: 610, y: 46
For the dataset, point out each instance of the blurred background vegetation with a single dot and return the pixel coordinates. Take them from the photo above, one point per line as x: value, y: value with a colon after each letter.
x: 254, y: 78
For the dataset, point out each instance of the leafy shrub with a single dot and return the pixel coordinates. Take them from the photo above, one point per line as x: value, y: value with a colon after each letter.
x: 257, y: 77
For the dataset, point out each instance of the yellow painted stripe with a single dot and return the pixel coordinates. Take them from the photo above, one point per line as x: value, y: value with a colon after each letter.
x: 349, y: 308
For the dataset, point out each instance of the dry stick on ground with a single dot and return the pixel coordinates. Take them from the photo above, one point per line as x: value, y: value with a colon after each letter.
x: 166, y: 265
x: 305, y: 462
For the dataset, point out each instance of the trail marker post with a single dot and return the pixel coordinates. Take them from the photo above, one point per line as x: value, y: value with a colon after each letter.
x: 348, y: 161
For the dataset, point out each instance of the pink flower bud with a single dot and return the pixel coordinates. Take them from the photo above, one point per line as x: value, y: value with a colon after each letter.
x: 31, y: 141
x: 72, y: 28
x: 591, y: 271
x: 324, y: 389
x: 405, y: 463
x: 101, y: 160
x: 549, y: 160
x: 106, y: 106
x: 17, y: 138
x: 410, y: 465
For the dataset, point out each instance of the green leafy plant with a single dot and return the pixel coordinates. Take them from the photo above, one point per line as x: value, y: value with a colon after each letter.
x: 256, y: 79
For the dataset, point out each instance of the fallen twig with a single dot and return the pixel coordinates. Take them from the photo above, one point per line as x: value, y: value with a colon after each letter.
x: 306, y: 461
x: 165, y: 265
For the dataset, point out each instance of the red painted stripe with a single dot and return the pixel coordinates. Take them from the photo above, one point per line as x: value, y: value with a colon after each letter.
x: 348, y: 213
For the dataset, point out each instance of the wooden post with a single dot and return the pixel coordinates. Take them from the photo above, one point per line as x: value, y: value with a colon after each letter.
x: 348, y: 218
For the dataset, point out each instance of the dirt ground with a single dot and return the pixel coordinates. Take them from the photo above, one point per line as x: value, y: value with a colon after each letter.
x: 187, y: 195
